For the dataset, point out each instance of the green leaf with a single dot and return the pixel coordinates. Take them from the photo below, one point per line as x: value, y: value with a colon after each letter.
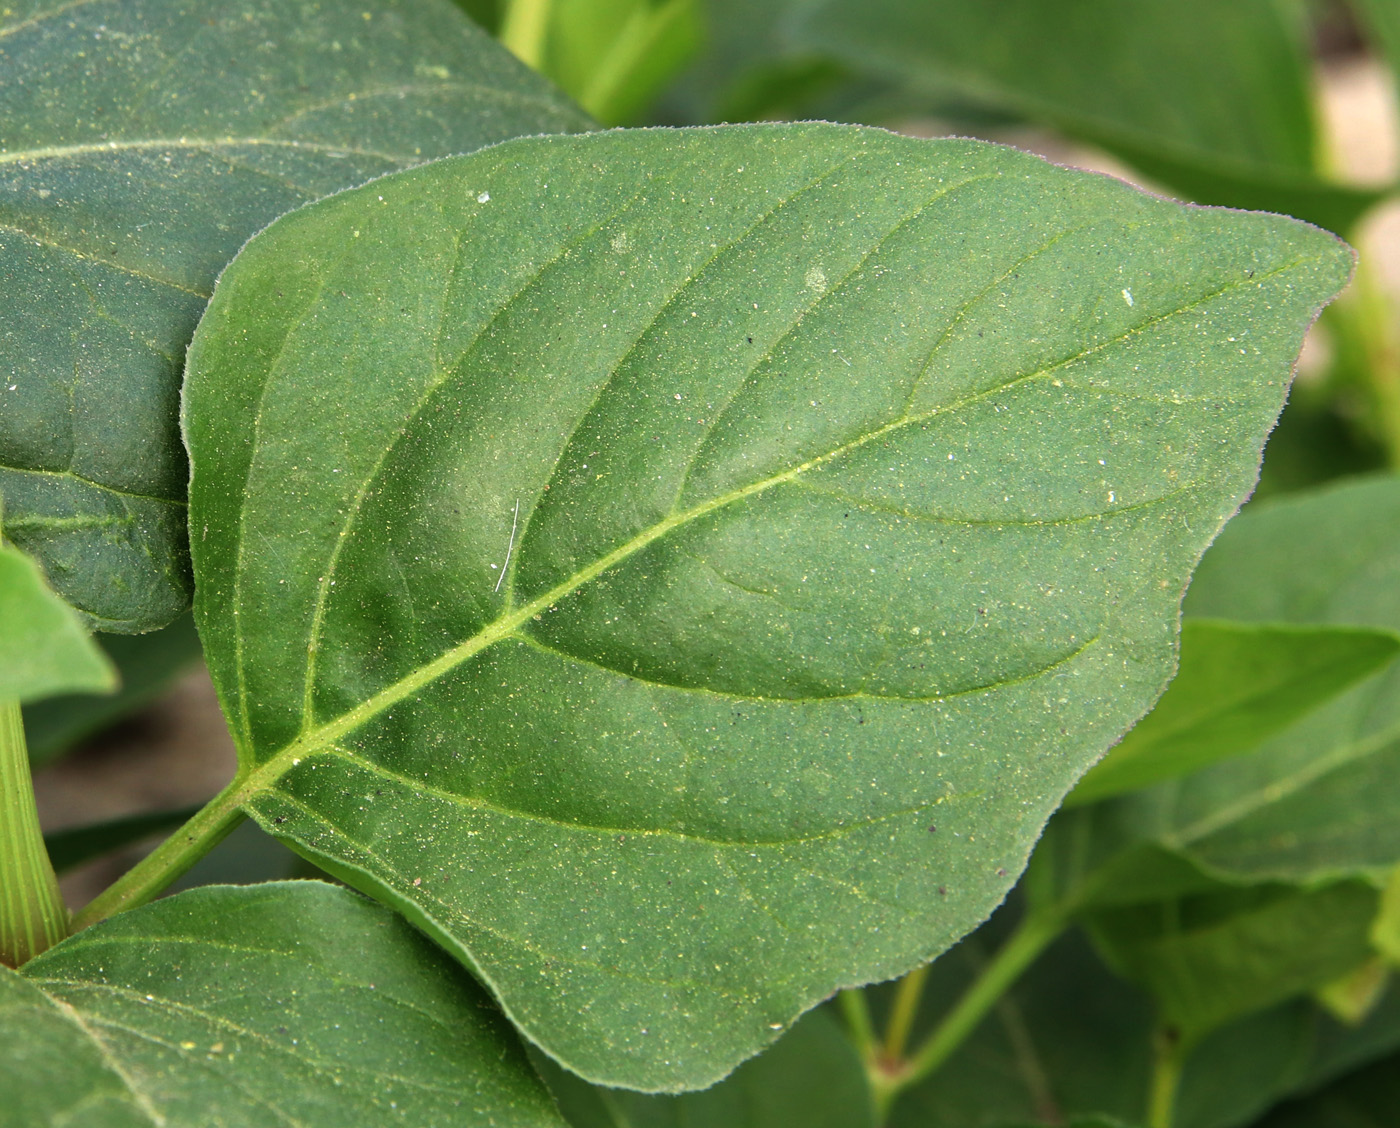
x: 1212, y: 99
x: 141, y: 143
x: 146, y: 665
x: 810, y: 1077
x: 44, y: 648
x: 72, y: 847
x: 1210, y: 959
x: 1322, y: 799
x: 1237, y: 685
x: 1367, y: 1098
x: 746, y: 580
x: 1071, y: 1039
x: 1385, y: 932
x: 287, y: 1003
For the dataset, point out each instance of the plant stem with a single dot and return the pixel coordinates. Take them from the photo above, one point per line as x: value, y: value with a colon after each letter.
x: 175, y: 855
x: 524, y: 29
x: 1169, y: 1052
x: 1032, y: 936
x: 856, y: 1012
x: 906, y: 1006
x: 32, y: 914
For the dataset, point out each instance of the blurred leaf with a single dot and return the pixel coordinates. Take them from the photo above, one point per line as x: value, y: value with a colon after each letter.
x: 1385, y: 934
x: 1356, y: 994
x: 71, y: 848
x: 614, y: 56
x: 1213, y: 958
x: 44, y: 648
x: 1367, y: 1098
x: 146, y: 665
x: 810, y: 1077
x: 1236, y: 685
x: 121, y: 203
x: 1321, y: 799
x: 289, y: 1003
x: 1072, y: 1039
x: 802, y: 657
x: 1213, y: 99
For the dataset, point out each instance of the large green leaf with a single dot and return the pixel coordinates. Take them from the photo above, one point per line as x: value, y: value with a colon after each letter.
x: 1210, y: 98
x: 141, y: 143
x: 683, y: 569
x: 44, y: 648
x: 1238, y: 684
x: 811, y: 1077
x: 146, y: 664
x: 289, y: 1003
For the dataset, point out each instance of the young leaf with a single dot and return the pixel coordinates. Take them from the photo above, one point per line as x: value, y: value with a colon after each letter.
x: 142, y: 142
x: 1212, y: 99
x: 682, y: 569
x: 44, y: 648
x: 146, y: 665
x: 1237, y: 685
x: 289, y: 1003
x: 811, y: 1077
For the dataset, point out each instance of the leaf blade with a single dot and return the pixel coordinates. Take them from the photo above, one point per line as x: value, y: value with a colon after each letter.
x: 675, y: 541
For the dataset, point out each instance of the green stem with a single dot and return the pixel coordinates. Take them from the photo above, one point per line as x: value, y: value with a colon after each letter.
x: 145, y: 880
x: 856, y: 1012
x: 906, y: 1007
x: 524, y: 29
x: 1032, y: 936
x: 32, y: 914
x: 1169, y: 1052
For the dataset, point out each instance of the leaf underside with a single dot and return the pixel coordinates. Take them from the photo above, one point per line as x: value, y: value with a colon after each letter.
x: 291, y: 1003
x: 141, y: 143
x: 681, y: 570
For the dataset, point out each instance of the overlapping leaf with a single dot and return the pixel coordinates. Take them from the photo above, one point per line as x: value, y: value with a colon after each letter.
x: 289, y: 1003
x: 44, y: 648
x: 682, y: 570
x: 1212, y: 99
x: 141, y: 143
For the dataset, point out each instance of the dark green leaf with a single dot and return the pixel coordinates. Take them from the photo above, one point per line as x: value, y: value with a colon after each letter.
x: 1071, y: 1039
x: 739, y: 539
x: 1237, y: 685
x: 1210, y: 98
x: 289, y: 1003
x: 1365, y: 1099
x: 141, y: 143
x: 44, y: 648
x: 146, y: 665
x: 811, y: 1077
x: 73, y: 847
x: 1210, y: 959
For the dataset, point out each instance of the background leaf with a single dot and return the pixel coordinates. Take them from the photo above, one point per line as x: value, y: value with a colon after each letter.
x: 1237, y: 684
x: 842, y: 520
x: 1212, y: 99
x: 1367, y: 1098
x: 146, y: 665
x: 43, y: 647
x: 811, y: 1076
x: 294, y: 1002
x: 141, y: 143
